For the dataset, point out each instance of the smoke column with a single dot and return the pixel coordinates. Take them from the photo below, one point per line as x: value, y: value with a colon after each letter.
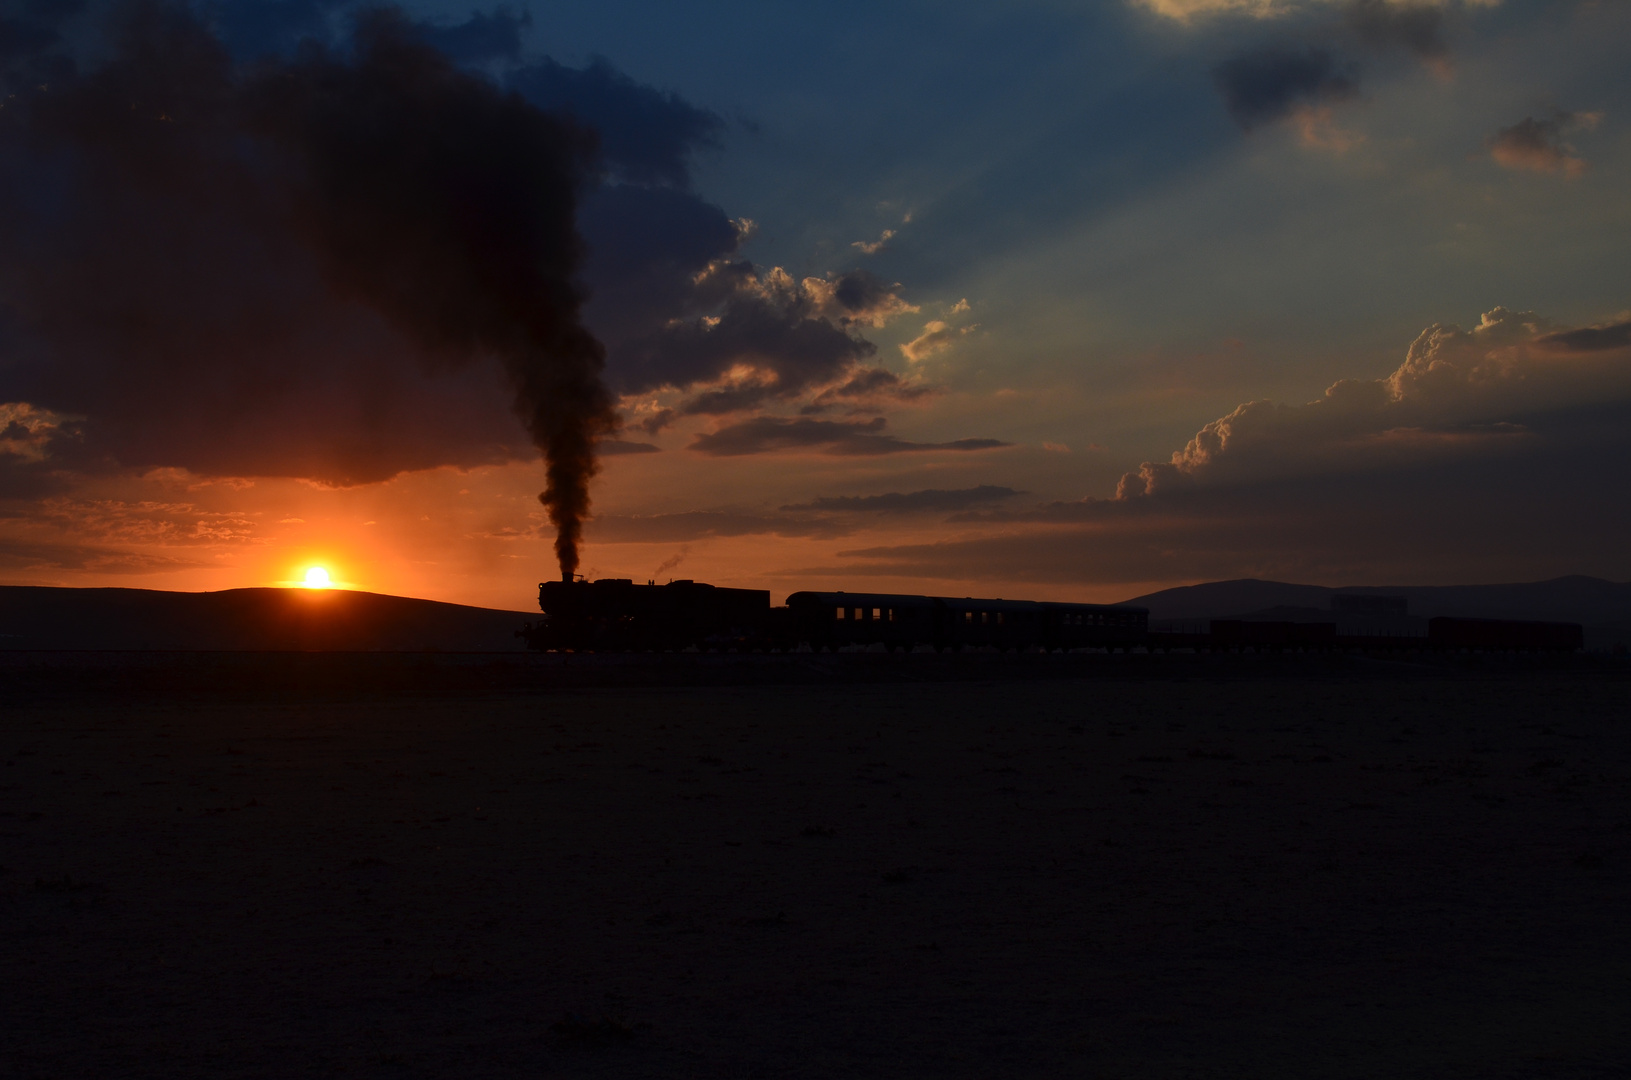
x: 426, y: 194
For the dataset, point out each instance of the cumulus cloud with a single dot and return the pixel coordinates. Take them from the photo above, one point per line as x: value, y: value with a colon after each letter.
x: 1271, y: 83
x: 26, y: 431
x: 872, y: 247
x: 863, y: 438
x: 750, y: 337
x: 1538, y: 145
x: 856, y: 298
x: 1458, y: 391
x: 937, y: 336
x: 929, y: 500
x: 1496, y: 453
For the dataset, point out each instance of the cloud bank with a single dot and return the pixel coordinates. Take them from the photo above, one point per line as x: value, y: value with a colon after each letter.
x: 1493, y: 453
x: 1538, y: 145
x: 861, y: 438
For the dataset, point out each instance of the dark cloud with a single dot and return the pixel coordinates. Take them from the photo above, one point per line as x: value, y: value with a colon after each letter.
x: 705, y: 524
x: 480, y: 39
x: 750, y: 337
x: 646, y: 136
x: 931, y: 500
x: 646, y: 248
x: 262, y: 28
x: 1538, y: 145
x: 865, y: 389
x: 617, y: 447
x: 1268, y: 84
x: 1058, y: 512
x: 1616, y: 335
x: 255, y: 28
x: 679, y: 311
x: 770, y: 434
x: 1415, y: 27
x: 231, y: 267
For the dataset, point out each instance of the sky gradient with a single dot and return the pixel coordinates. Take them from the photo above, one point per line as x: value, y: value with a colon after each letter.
x: 1057, y: 300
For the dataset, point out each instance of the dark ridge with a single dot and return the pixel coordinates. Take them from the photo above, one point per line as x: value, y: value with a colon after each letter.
x: 270, y: 620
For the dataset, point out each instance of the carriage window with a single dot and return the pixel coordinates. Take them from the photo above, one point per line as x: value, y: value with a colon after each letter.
x: 999, y: 618
x: 891, y: 614
x: 968, y: 616
x: 877, y: 613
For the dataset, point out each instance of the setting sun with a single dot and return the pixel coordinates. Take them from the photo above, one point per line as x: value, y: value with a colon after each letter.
x: 317, y: 578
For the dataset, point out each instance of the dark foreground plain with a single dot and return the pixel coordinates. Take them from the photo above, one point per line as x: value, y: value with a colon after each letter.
x: 1155, y: 867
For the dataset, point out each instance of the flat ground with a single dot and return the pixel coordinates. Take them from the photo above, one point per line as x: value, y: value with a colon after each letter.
x: 1342, y: 875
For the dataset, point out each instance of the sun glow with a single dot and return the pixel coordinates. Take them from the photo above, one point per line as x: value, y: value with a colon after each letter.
x: 317, y: 578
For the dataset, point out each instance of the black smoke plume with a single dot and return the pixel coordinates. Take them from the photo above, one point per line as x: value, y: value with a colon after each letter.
x: 282, y: 197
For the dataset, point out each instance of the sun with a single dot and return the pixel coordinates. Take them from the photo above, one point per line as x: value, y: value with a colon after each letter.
x: 317, y: 578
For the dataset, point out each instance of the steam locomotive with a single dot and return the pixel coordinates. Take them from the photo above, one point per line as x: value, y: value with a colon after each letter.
x: 618, y: 615
x: 615, y: 614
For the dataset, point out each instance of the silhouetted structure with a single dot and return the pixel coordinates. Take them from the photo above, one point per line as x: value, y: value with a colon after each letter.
x: 616, y: 614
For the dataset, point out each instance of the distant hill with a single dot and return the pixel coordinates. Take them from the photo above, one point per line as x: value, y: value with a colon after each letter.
x: 1603, y: 607
x: 33, y: 617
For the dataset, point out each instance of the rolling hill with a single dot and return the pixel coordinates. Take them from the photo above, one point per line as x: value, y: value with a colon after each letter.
x: 35, y: 617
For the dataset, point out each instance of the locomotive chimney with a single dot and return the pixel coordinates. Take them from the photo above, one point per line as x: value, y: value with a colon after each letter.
x: 566, y: 576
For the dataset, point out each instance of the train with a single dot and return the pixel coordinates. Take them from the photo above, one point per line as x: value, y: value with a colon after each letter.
x: 619, y: 615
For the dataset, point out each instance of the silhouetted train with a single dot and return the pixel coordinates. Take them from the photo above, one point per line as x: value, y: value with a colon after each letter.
x: 617, y: 615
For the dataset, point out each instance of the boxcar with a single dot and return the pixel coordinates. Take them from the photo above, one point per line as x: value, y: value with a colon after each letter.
x: 1505, y: 635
